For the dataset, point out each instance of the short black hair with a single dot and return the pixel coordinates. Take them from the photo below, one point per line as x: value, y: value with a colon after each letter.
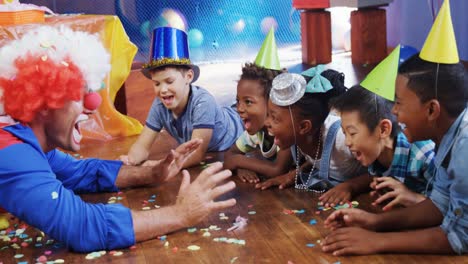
x: 371, y: 107
x: 452, y: 83
x: 316, y: 105
x: 253, y: 72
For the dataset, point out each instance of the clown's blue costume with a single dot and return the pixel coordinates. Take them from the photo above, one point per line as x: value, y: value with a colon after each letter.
x: 44, y: 187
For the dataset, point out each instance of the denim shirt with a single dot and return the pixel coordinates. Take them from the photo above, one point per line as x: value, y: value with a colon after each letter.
x: 450, y: 189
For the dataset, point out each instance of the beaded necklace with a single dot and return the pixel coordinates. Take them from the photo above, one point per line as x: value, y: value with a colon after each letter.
x: 304, y: 186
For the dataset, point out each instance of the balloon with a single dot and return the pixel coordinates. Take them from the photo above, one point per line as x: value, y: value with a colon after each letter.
x: 238, y: 26
x: 267, y: 23
x: 145, y: 28
x: 406, y: 52
x: 195, y: 38
x: 167, y: 18
x: 338, y: 31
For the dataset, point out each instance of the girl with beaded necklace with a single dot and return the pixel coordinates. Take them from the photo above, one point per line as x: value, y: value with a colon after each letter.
x: 299, y: 118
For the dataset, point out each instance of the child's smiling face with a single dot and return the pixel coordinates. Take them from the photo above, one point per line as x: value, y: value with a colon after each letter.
x: 171, y: 86
x: 279, y: 125
x: 365, y: 145
x: 411, y: 113
x: 251, y: 105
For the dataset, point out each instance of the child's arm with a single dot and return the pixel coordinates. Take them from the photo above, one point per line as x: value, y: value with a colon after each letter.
x: 231, y: 158
x: 351, y: 240
x: 230, y: 162
x: 398, y: 193
x: 358, y: 241
x: 264, y: 167
x: 139, y: 151
x: 343, y: 192
x: 199, y: 155
x: 282, y: 181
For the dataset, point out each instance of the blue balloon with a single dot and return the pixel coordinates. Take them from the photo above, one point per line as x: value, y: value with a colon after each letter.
x: 195, y: 38
x: 406, y: 52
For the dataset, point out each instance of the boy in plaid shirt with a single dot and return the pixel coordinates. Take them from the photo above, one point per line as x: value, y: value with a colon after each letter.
x: 374, y: 137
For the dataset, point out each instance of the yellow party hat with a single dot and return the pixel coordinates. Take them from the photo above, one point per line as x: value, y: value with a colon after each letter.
x: 440, y: 45
x: 381, y: 80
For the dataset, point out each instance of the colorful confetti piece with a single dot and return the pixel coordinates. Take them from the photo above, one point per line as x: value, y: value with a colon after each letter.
x: 193, y: 247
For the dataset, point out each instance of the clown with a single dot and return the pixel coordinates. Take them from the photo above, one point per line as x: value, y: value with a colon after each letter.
x: 48, y: 80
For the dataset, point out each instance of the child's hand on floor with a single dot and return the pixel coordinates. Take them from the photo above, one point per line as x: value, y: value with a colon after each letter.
x: 352, y: 241
x: 247, y: 176
x: 351, y: 217
x: 281, y: 181
x: 339, y: 194
x: 396, y: 193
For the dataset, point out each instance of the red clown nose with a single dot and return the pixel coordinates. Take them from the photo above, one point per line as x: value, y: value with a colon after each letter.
x: 92, y: 101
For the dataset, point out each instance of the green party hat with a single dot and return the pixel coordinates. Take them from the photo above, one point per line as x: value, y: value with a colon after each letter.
x: 440, y: 45
x: 381, y: 80
x: 267, y: 57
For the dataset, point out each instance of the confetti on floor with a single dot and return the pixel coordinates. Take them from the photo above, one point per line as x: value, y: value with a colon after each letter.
x: 42, y: 259
x: 239, y: 223
x: 313, y: 222
x: 193, y: 247
x: 192, y: 230
x: 352, y: 204
x: 116, y: 253
x: 17, y: 256
x: 234, y: 259
x: 229, y: 240
x: 214, y: 227
x: 310, y: 245
x: 252, y: 212
x: 94, y: 255
x: 222, y: 216
x: 290, y: 212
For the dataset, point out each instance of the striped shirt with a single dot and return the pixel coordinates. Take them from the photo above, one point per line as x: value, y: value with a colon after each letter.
x: 247, y: 143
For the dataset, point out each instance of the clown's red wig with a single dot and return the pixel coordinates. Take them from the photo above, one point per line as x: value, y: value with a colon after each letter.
x: 40, y: 84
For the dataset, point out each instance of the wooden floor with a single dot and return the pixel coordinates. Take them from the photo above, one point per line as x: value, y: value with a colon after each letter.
x: 271, y: 236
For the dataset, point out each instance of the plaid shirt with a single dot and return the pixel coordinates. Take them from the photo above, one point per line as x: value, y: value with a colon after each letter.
x: 413, y: 164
